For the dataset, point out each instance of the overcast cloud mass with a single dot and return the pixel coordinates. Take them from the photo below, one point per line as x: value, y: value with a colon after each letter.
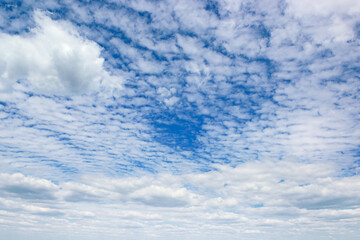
x: 187, y: 119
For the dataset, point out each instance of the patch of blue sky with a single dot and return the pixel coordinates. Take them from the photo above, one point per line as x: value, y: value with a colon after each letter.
x: 258, y: 205
x: 213, y: 6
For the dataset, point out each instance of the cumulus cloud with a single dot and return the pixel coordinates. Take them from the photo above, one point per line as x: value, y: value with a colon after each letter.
x: 53, y: 57
x: 21, y: 186
x: 76, y: 192
x: 162, y: 196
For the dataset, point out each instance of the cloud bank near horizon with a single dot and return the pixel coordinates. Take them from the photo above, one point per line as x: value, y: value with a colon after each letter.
x: 250, y: 200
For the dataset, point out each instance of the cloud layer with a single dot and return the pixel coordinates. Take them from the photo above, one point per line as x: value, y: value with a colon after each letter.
x: 252, y: 200
x: 190, y: 119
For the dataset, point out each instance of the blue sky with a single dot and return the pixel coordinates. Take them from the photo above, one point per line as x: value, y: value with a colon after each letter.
x: 179, y: 119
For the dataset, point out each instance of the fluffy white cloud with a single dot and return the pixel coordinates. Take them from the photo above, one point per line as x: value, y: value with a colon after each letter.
x: 76, y: 192
x: 53, y: 57
x: 21, y: 186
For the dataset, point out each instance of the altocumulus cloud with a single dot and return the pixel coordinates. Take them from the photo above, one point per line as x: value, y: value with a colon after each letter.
x: 179, y: 119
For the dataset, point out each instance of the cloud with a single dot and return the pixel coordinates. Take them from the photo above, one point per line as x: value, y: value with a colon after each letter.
x: 335, y: 20
x: 21, y: 186
x: 162, y: 196
x: 76, y: 192
x: 233, y: 118
x: 233, y: 90
x: 255, y: 197
x: 321, y: 8
x: 53, y: 57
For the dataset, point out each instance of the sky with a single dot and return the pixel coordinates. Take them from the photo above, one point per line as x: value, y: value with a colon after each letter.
x: 188, y: 119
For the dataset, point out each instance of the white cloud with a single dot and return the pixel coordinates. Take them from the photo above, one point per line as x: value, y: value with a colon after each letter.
x: 161, y: 196
x: 76, y: 192
x: 53, y: 57
x: 21, y: 186
x: 334, y: 19
x: 260, y: 196
x: 323, y: 8
x: 263, y: 80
